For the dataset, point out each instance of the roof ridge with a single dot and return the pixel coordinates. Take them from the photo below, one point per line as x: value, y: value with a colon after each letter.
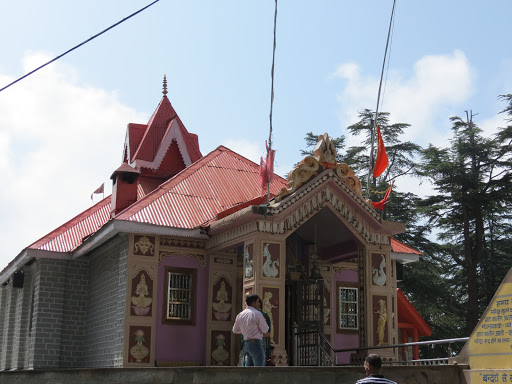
x: 182, y: 175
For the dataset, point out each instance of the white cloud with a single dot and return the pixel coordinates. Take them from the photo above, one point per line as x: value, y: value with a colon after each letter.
x: 59, y: 140
x: 246, y: 148
x: 438, y: 87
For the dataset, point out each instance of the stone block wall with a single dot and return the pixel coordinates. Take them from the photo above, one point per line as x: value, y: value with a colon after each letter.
x: 22, y: 322
x: 47, y: 313
x: 69, y: 313
x: 74, y: 314
x: 105, y: 320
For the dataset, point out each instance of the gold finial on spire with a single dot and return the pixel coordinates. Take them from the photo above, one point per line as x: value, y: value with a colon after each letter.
x: 164, y: 91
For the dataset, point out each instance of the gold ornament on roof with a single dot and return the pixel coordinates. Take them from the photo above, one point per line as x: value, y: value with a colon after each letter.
x: 164, y: 91
x: 311, y: 166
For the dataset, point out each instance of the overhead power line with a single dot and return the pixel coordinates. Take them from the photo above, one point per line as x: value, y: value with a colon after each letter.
x: 79, y: 45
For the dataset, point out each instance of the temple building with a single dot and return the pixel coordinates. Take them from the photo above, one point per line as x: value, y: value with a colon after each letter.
x: 156, y: 273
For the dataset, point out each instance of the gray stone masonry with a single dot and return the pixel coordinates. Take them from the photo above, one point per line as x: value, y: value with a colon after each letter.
x: 104, y: 333
x: 48, y: 313
x: 30, y: 281
x: 3, y: 296
x: 74, y: 314
x: 440, y: 374
x: 11, y: 295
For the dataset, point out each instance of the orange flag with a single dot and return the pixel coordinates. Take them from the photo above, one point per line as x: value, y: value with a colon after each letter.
x: 380, y: 204
x: 382, y: 158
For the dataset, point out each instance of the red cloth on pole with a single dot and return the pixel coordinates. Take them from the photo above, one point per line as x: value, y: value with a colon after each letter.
x: 266, y: 169
x: 380, y: 204
x: 382, y: 158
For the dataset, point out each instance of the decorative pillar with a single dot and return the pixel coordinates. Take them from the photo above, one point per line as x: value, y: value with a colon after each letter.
x: 264, y: 274
x: 380, y: 301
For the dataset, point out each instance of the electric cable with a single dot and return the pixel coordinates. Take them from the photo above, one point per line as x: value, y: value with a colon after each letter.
x: 79, y: 45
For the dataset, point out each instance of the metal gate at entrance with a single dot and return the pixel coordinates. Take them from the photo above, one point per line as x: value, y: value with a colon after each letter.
x: 305, y: 314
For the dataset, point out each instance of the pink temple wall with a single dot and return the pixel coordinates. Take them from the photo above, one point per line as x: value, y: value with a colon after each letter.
x: 182, y: 342
x: 343, y: 340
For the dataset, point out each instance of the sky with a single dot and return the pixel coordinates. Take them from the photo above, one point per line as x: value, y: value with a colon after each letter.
x: 62, y: 129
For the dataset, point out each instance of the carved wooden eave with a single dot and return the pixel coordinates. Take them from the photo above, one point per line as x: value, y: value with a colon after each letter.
x: 288, y: 214
x: 316, y: 182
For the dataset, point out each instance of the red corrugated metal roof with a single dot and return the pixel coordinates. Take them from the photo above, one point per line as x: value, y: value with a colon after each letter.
x: 71, y: 234
x: 218, y: 181
x: 157, y: 127
x: 399, y: 247
x: 135, y: 135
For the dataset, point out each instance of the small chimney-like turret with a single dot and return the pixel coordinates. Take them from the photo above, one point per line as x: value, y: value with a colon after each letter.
x: 124, y: 188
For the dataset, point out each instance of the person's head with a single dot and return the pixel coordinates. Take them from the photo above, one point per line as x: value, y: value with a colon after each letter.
x: 372, y: 364
x: 253, y: 301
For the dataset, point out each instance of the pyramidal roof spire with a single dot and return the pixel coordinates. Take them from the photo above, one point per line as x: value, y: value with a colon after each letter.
x: 164, y: 91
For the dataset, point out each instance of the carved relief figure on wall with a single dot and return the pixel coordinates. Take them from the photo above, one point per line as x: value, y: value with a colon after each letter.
x: 270, y: 267
x: 381, y: 322
x: 267, y: 308
x: 219, y: 354
x: 248, y: 261
x: 144, y: 245
x: 142, y: 300
x: 378, y: 274
x: 139, y: 350
x: 222, y: 308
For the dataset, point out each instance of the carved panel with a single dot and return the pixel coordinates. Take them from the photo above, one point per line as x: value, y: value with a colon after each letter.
x: 222, y: 260
x: 380, y: 320
x: 187, y: 243
x: 143, y: 245
x: 197, y: 256
x: 220, y: 347
x: 222, y: 300
x: 142, y: 294
x: 270, y: 306
x: 271, y: 260
x: 139, y: 347
x: 327, y: 305
x: 249, y: 261
x: 379, y: 269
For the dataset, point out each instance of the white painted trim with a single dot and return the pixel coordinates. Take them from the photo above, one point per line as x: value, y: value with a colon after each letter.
x: 25, y: 256
x: 105, y: 233
x: 405, y: 258
x: 173, y: 133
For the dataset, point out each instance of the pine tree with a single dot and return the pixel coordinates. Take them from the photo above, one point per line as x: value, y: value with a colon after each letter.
x: 472, y: 180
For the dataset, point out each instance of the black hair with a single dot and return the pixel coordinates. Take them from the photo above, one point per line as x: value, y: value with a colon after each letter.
x: 250, y: 299
x: 374, y: 360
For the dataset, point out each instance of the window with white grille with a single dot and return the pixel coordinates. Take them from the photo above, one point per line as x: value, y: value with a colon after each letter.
x: 348, y: 317
x: 179, y: 305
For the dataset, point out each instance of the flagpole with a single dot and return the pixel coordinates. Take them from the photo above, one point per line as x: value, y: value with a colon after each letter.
x: 374, y: 123
x: 271, y: 102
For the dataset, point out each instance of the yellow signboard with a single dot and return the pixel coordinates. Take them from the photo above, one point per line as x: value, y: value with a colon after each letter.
x: 490, y: 344
x: 495, y: 376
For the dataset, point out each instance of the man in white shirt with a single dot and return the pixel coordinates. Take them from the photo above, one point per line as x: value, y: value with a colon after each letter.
x: 252, y: 325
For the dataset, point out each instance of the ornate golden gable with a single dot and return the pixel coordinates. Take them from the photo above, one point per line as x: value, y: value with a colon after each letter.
x: 311, y: 166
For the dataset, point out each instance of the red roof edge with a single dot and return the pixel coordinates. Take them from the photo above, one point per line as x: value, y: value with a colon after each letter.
x: 69, y: 224
x: 407, y: 312
x: 400, y: 247
x: 256, y: 201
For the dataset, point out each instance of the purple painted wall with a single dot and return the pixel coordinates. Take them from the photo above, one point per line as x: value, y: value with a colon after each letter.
x: 343, y: 340
x: 182, y: 342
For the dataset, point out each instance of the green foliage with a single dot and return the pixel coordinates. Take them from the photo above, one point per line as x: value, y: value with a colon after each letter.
x: 468, y: 213
x: 470, y: 210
